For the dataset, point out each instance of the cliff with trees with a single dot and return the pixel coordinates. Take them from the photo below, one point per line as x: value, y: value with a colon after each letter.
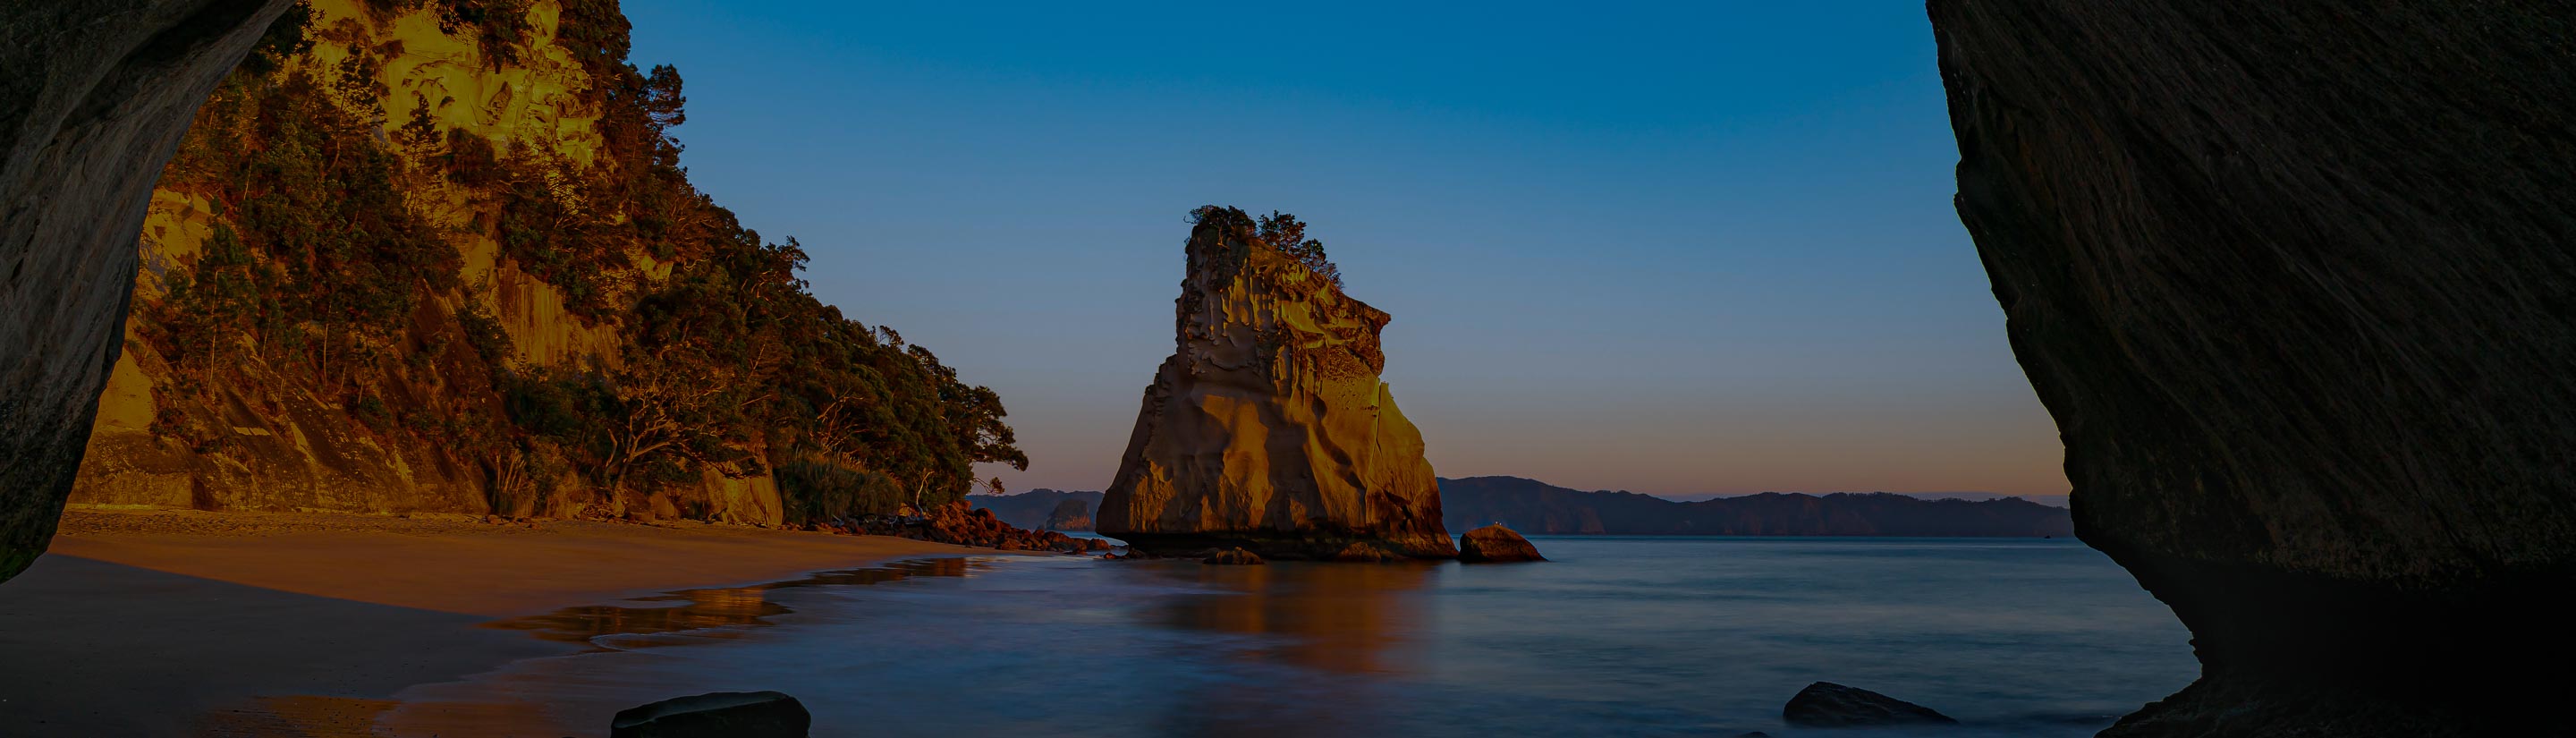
x: 441, y: 256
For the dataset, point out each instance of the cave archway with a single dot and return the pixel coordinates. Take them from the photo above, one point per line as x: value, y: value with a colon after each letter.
x: 2293, y: 279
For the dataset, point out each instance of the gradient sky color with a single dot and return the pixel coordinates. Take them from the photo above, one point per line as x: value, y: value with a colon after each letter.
x: 1678, y: 248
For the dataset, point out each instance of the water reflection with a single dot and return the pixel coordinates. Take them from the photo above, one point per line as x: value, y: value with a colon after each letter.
x: 716, y: 612
x: 1348, y: 624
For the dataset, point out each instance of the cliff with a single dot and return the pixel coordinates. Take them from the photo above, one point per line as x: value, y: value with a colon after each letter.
x: 1268, y: 428
x: 94, y: 95
x: 1534, y: 507
x: 2295, y: 281
x: 439, y: 256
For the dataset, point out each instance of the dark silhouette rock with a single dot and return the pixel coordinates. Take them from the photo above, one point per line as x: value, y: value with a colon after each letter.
x: 1495, y: 544
x: 1268, y: 428
x: 1070, y: 514
x: 2296, y: 281
x: 1036, y: 509
x: 1363, y: 552
x: 1830, y: 705
x: 1234, y: 557
x: 94, y: 95
x: 716, y: 715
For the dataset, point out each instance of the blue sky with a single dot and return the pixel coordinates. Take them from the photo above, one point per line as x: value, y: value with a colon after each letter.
x: 1676, y: 249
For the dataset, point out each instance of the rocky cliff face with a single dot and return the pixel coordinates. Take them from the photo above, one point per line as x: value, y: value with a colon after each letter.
x: 1268, y: 428
x: 94, y: 95
x: 289, y: 434
x: 2296, y: 282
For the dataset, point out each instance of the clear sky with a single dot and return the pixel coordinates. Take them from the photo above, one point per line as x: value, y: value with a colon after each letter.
x: 1670, y: 248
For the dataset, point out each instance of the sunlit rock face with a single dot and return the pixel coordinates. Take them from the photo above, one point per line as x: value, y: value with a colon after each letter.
x: 94, y: 95
x: 1268, y: 428
x: 283, y: 446
x: 2296, y: 281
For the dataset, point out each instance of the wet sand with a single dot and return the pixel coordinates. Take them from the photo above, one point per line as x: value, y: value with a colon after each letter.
x: 188, y: 623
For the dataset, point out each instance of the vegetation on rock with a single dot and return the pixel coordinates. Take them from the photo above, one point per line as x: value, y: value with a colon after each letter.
x: 333, y: 270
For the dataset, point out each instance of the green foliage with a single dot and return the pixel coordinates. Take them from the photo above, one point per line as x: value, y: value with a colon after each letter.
x: 1280, y: 231
x: 319, y: 269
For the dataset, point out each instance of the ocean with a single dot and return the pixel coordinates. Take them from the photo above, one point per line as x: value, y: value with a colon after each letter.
x: 1618, y: 636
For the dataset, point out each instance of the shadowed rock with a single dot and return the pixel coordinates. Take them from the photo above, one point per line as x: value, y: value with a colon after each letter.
x: 716, y: 715
x: 1495, y: 544
x: 94, y: 95
x: 1234, y: 557
x: 2296, y: 282
x: 1830, y: 705
x: 1268, y: 428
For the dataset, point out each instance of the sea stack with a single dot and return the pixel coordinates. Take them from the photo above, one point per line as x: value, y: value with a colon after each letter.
x: 1268, y: 428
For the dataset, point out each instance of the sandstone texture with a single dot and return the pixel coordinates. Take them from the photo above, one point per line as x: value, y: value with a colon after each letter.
x: 1830, y: 705
x: 716, y: 715
x: 94, y: 95
x: 2296, y: 282
x: 1495, y: 544
x: 1269, y: 428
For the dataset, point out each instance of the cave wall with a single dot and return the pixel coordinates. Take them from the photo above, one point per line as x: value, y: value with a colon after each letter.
x: 2295, y: 281
x: 94, y: 98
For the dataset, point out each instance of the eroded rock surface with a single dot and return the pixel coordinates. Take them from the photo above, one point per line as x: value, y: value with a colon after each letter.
x: 94, y: 95
x: 2296, y: 282
x: 1268, y: 428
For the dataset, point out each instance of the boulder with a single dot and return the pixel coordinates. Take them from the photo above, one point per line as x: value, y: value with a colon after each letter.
x: 716, y: 715
x: 1363, y: 552
x: 1234, y: 557
x: 1268, y: 428
x: 1495, y: 544
x: 1830, y: 705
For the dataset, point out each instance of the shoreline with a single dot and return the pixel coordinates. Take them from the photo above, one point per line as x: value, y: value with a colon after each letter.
x: 173, y: 622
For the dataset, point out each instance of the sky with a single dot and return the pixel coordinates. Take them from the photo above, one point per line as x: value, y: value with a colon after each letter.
x: 1679, y: 249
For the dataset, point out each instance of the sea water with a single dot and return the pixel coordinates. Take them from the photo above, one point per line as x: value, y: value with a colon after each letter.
x: 1616, y: 636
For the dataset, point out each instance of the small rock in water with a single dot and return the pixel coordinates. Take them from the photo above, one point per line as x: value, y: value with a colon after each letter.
x: 716, y: 715
x: 1495, y: 544
x: 1830, y: 705
x: 1366, y: 552
x: 1234, y: 557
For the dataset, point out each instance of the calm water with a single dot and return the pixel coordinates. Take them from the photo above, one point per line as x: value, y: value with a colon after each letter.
x: 1619, y: 636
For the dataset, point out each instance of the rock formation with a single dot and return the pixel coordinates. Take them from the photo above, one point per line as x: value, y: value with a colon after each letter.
x: 2296, y: 281
x: 1268, y: 428
x: 1830, y: 705
x: 1495, y: 544
x: 94, y: 95
x: 1070, y: 514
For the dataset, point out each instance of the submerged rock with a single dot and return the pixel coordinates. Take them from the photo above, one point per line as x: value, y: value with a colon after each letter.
x: 1268, y: 428
x: 2296, y: 283
x: 1234, y: 557
x: 1830, y: 705
x: 716, y: 715
x: 1366, y: 553
x: 1495, y: 544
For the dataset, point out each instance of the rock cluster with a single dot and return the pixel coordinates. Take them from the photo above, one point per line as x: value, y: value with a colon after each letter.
x: 2295, y: 282
x: 1495, y: 544
x: 961, y: 524
x: 1268, y: 428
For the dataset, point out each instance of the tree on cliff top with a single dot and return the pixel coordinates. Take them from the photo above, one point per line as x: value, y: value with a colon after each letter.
x: 1281, y: 231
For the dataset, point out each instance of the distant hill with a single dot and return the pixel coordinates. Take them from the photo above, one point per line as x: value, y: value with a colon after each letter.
x: 1042, y: 509
x: 1531, y: 506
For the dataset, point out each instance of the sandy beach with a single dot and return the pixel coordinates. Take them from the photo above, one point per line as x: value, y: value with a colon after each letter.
x: 194, y: 623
